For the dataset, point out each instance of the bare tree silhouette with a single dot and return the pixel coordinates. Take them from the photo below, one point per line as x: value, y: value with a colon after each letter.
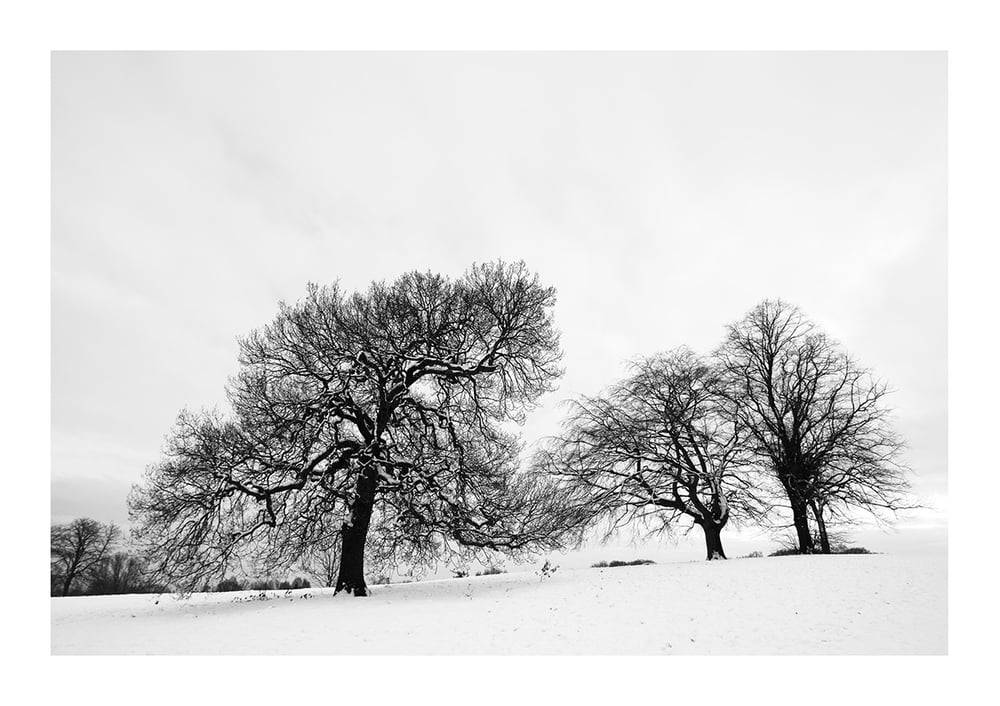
x: 78, y: 548
x: 660, y: 444
x: 814, y: 418
x: 377, y: 416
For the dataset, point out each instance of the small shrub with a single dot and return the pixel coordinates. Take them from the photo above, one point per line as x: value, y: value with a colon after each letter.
x: 491, y: 571
x: 636, y: 562
x: 382, y: 580
x: 754, y: 555
x: 461, y: 573
x: 617, y: 563
x: 835, y: 549
x: 842, y: 549
x: 785, y: 551
x: 547, y: 570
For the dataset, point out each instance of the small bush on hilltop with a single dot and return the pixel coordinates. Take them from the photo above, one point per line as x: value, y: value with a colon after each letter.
x: 611, y: 564
x: 491, y: 571
x: 843, y: 549
x: 785, y: 551
x: 838, y: 549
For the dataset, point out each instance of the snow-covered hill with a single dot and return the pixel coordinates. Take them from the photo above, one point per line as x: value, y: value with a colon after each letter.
x: 876, y: 604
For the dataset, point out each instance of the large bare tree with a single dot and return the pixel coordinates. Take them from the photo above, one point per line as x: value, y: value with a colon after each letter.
x: 78, y: 550
x: 660, y: 445
x: 380, y: 418
x: 814, y: 418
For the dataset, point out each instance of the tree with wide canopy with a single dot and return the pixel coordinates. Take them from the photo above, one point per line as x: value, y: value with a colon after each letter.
x: 381, y: 419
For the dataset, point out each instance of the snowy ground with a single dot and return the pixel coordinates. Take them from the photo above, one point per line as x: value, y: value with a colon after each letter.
x: 878, y: 604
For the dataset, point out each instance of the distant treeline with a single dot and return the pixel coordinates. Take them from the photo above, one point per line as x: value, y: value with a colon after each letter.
x: 234, y: 584
x: 85, y: 562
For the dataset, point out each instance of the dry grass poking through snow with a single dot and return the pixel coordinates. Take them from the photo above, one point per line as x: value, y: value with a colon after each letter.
x: 877, y: 604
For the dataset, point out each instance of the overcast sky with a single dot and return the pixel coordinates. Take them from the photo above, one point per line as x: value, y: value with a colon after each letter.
x: 662, y: 194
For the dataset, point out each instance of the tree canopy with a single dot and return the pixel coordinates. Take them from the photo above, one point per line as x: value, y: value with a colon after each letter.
x: 815, y: 419
x: 381, y: 417
x: 659, y: 445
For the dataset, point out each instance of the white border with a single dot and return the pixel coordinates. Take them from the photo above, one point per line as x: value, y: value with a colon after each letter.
x: 31, y: 30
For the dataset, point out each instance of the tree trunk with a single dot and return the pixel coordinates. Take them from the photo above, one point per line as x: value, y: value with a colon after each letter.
x: 824, y: 538
x: 799, y: 501
x: 800, y: 516
x: 713, y: 540
x: 351, y: 577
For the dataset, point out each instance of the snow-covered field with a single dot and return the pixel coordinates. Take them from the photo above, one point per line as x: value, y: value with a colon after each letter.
x: 877, y: 604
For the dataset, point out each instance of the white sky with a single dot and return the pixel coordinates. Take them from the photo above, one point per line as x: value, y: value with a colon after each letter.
x: 663, y: 195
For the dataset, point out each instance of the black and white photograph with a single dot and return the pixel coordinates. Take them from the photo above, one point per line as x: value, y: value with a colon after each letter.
x: 499, y: 353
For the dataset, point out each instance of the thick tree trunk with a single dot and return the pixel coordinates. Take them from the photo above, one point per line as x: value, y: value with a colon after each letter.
x: 799, y: 501
x: 800, y: 516
x: 824, y: 538
x: 713, y: 541
x: 351, y: 577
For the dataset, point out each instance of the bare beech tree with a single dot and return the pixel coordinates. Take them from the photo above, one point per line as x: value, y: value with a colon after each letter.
x: 374, y: 417
x: 814, y: 418
x: 659, y: 445
x: 78, y: 550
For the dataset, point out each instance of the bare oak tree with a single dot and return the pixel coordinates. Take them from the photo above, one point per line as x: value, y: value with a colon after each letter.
x: 78, y: 550
x: 660, y: 444
x: 380, y: 418
x: 815, y: 419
